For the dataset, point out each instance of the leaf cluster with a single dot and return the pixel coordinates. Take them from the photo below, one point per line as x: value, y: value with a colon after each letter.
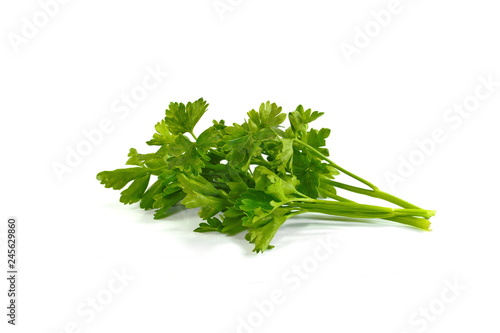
x: 250, y: 176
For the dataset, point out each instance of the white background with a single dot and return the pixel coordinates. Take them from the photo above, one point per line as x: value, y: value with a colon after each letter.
x: 75, y: 235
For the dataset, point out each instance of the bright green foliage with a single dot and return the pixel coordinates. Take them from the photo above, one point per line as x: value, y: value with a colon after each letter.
x: 284, y: 157
x: 163, y: 136
x: 201, y: 193
x: 250, y: 177
x: 118, y: 178
x: 135, y: 191
x: 300, y: 118
x: 182, y: 118
x: 269, y: 116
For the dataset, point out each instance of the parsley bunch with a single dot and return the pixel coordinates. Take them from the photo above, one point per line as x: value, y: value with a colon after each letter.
x: 247, y: 177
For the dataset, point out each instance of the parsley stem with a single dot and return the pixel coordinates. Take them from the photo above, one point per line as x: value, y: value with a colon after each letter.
x: 347, y: 213
x: 335, y: 196
x: 375, y: 194
x: 416, y: 222
x: 192, y: 134
x: 356, y: 207
x: 335, y: 165
x: 216, y: 167
x: 354, y: 210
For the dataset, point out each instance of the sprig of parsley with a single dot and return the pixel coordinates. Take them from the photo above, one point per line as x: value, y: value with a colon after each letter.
x: 249, y: 177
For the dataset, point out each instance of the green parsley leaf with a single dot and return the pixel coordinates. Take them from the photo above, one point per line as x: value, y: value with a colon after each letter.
x: 201, y: 193
x: 118, y: 178
x: 162, y: 135
x: 135, y: 191
x: 268, y: 116
x: 181, y: 118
